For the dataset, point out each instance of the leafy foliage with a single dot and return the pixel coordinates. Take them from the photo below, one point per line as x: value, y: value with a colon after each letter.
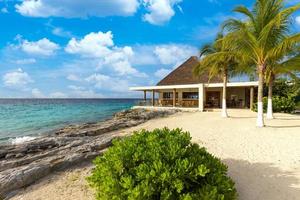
x: 280, y: 104
x: 217, y: 60
x: 162, y: 164
x: 284, y: 88
x: 264, y: 40
x: 264, y: 37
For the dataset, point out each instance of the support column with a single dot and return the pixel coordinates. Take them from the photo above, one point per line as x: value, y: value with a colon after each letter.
x: 251, y: 97
x: 201, y: 98
x: 153, y: 97
x: 145, y: 95
x: 174, y: 97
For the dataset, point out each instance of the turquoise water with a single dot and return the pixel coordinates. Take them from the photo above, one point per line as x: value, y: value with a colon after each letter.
x: 31, y: 117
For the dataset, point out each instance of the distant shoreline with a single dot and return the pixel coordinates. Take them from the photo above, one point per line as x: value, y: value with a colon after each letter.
x: 29, y: 98
x: 20, y: 117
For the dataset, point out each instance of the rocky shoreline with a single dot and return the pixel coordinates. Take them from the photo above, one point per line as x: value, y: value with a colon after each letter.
x: 23, y: 164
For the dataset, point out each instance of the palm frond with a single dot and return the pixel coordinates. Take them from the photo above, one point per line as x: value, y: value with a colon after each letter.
x: 284, y: 47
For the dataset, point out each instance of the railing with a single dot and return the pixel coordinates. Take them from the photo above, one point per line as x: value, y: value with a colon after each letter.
x: 147, y: 103
x: 186, y: 103
x: 190, y: 103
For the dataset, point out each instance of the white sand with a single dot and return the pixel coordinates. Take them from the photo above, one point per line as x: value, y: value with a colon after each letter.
x: 264, y: 162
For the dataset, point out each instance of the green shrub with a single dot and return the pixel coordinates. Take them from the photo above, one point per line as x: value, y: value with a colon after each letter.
x: 162, y: 164
x: 280, y: 104
x: 298, y: 105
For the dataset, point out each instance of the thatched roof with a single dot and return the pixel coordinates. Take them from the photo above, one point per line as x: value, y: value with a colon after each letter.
x: 183, y: 75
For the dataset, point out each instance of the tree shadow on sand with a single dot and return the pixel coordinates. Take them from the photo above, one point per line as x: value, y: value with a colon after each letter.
x: 287, y: 119
x: 262, y: 181
x: 283, y: 126
x: 234, y: 117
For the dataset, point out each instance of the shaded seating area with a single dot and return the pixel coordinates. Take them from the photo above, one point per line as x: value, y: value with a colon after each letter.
x: 235, y: 103
x: 188, y: 103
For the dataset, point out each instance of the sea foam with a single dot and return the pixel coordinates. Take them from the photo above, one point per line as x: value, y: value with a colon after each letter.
x: 20, y: 140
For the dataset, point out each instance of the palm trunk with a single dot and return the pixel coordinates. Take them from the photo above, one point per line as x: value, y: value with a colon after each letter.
x: 260, y: 112
x: 224, y: 106
x: 270, y: 93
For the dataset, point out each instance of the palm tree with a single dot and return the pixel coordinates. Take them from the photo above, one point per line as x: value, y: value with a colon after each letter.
x: 262, y: 38
x: 217, y: 61
x: 285, y: 66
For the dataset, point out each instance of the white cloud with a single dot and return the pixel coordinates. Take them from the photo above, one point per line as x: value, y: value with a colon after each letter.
x: 25, y: 61
x: 92, y: 45
x: 17, y: 78
x: 77, y: 8
x: 81, y: 92
x: 100, y: 46
x: 160, y: 11
x: 174, y: 53
x: 97, y: 78
x: 108, y: 83
x: 86, y: 94
x: 58, y: 95
x: 124, y: 67
x: 36, y: 93
x: 73, y: 77
x: 143, y: 56
x: 74, y: 87
x: 41, y: 47
x: 58, y: 31
x: 161, y: 73
x: 298, y: 20
x: 61, y: 32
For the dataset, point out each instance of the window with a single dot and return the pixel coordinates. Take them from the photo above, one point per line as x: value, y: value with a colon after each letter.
x: 169, y: 95
x: 190, y: 95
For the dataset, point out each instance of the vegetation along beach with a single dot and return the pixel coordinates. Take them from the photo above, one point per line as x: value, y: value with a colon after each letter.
x: 150, y: 99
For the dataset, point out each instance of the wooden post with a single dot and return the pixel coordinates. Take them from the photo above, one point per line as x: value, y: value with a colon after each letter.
x: 174, y: 97
x: 145, y: 95
x: 251, y: 97
x: 153, y: 97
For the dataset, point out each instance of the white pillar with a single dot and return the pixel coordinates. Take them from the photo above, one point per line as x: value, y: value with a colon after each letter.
x: 251, y: 98
x: 201, y: 98
x: 270, y: 109
x: 174, y: 98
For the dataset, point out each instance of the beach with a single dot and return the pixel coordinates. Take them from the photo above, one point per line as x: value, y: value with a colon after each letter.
x: 263, y: 162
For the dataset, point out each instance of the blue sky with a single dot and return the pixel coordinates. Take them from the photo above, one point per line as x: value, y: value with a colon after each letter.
x: 99, y: 48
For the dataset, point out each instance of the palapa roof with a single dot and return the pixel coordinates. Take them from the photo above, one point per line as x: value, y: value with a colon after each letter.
x: 183, y: 75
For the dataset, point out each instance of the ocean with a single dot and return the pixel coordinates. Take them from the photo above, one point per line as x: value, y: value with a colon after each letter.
x: 24, y: 119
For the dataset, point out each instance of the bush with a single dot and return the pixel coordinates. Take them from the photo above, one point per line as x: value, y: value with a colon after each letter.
x: 162, y: 164
x: 298, y: 106
x: 280, y: 104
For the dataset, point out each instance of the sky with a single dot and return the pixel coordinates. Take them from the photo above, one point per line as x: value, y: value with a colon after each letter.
x: 100, y: 48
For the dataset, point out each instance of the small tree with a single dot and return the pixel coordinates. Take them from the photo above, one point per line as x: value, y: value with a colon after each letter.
x: 161, y: 164
x: 283, y: 66
x: 218, y: 61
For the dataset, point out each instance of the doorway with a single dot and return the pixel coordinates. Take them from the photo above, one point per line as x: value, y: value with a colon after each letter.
x: 213, y: 99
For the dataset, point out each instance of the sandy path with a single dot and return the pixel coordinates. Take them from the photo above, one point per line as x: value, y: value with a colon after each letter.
x: 265, y: 163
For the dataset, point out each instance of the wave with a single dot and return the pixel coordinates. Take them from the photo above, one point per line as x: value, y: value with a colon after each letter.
x: 20, y: 140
